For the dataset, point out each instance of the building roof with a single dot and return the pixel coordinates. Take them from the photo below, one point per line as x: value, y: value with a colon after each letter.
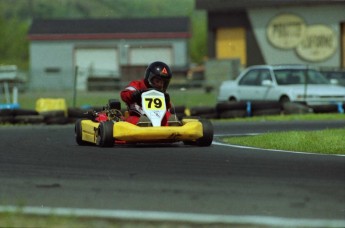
x: 225, y: 5
x: 64, y: 29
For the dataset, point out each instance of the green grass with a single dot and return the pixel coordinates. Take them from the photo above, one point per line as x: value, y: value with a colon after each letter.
x: 189, y: 98
x: 330, y: 141
x: 292, y: 117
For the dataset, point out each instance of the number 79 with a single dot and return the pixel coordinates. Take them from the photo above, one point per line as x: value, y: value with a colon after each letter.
x: 155, y: 101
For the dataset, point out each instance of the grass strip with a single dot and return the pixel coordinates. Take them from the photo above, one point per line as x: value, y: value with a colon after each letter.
x: 329, y: 141
x: 189, y: 97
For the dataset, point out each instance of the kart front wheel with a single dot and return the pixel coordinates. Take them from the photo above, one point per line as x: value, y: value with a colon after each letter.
x: 105, y: 134
x: 207, y: 137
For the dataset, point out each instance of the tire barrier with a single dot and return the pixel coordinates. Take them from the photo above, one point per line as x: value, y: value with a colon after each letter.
x: 231, y: 109
x: 204, y: 112
x: 246, y: 109
x: 225, y: 110
x: 23, y: 116
x: 331, y: 108
x: 258, y: 108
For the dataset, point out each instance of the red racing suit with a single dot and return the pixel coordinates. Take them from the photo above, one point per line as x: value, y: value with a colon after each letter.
x: 135, y: 109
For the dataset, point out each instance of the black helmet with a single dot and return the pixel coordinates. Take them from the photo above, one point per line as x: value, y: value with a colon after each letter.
x: 158, y: 69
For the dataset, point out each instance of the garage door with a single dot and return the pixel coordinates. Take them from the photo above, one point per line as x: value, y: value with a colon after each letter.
x: 95, y: 62
x: 144, y: 56
x: 231, y: 43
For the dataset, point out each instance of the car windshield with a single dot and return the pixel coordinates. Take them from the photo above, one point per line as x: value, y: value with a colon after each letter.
x: 299, y: 76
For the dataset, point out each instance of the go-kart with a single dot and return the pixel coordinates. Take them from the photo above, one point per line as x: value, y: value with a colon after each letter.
x: 108, y: 127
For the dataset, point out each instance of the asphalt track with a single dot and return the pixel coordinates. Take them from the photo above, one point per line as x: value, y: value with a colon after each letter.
x: 42, y: 166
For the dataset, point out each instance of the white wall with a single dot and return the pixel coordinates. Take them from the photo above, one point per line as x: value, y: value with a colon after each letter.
x: 328, y: 15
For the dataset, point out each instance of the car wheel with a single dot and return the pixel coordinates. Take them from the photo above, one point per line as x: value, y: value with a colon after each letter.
x: 105, y: 134
x: 78, y: 133
x: 207, y: 138
x: 284, y: 99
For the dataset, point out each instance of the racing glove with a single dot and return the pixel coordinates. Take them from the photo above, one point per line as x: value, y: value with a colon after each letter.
x: 137, y: 96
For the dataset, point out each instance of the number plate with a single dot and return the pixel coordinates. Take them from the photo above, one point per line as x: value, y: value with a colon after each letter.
x: 153, y: 103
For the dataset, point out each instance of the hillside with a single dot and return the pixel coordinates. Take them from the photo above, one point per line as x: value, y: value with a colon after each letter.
x: 16, y: 16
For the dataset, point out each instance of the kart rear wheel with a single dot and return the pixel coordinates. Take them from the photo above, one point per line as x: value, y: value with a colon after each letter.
x: 78, y: 133
x: 105, y: 134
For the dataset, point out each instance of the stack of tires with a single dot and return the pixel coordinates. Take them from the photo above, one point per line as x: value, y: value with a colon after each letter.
x: 329, y: 108
x: 20, y: 116
x: 242, y: 109
x: 231, y: 109
x: 259, y: 108
x: 205, y: 112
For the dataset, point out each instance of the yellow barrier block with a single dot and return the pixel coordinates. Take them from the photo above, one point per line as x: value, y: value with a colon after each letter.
x: 51, y: 104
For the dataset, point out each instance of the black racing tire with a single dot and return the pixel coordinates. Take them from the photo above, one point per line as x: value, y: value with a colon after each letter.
x: 207, y: 130
x: 78, y: 133
x: 207, y: 138
x: 105, y: 136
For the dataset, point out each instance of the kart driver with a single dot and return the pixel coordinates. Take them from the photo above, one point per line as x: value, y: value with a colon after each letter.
x: 157, y: 76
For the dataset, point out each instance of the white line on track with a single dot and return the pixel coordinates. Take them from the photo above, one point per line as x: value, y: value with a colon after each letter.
x: 176, y: 217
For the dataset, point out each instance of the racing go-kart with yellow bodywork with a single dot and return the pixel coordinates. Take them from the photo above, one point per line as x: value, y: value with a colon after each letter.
x: 108, y: 127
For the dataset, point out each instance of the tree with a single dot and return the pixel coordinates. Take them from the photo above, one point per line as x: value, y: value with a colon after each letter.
x: 13, y: 42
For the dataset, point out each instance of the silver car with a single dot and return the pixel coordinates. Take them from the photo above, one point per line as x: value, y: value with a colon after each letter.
x: 283, y: 83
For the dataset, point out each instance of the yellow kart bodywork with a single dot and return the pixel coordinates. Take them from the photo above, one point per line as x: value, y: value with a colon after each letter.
x: 191, y: 129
